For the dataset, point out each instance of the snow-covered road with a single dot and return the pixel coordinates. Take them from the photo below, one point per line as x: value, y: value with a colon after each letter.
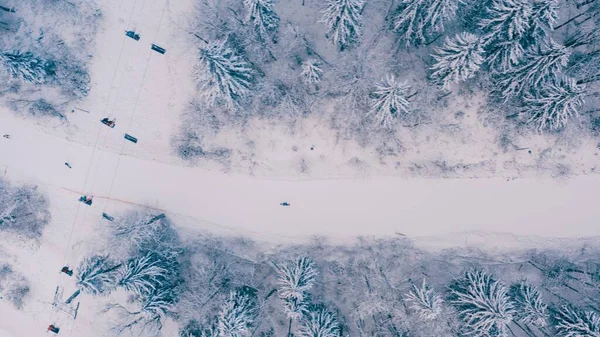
x: 337, y: 207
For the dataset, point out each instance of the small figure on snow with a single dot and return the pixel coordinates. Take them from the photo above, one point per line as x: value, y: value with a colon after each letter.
x: 110, y: 123
x: 285, y: 203
x: 53, y: 328
x: 68, y: 165
x: 86, y: 200
x: 67, y: 271
x: 312, y: 147
x: 7, y: 136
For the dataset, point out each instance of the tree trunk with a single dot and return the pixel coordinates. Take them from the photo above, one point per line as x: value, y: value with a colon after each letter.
x: 569, y: 21
x: 72, y: 297
x: 290, y: 328
x: 589, y: 79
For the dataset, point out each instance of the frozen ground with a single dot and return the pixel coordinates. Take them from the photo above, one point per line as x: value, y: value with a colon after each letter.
x: 348, y: 191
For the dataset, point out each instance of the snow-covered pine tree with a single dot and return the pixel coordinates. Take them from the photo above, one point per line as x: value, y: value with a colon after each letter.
x: 295, y: 279
x: 571, y: 322
x: 154, y: 307
x: 416, y: 20
x: 506, y: 20
x: 425, y: 301
x: 439, y: 13
x: 319, y: 323
x: 236, y: 316
x: 458, y: 59
x: 482, y: 303
x: 344, y: 21
x: 95, y: 276
x: 142, y: 275
x: 262, y: 17
x: 390, y: 100
x: 540, y: 66
x: 409, y: 21
x: 312, y: 73
x: 504, y: 55
x: 543, y: 17
x: 552, y: 105
x: 529, y: 304
x: 26, y: 66
x: 224, y: 75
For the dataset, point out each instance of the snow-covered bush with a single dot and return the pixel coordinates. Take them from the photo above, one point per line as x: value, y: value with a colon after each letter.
x: 458, y: 59
x: 425, y: 301
x: 529, y: 304
x: 319, y: 323
x: 223, y: 74
x: 344, y: 22
x: 23, y: 210
x: 14, y: 287
x: 390, y: 101
x: 138, y: 233
x: 553, y: 104
x: 27, y: 67
x: 482, y: 303
x: 571, y: 322
x: 262, y: 17
x: 312, y: 73
x: 48, y: 49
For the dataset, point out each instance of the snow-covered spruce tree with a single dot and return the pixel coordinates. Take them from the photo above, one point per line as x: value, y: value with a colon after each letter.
x: 96, y: 275
x: 262, y: 17
x: 295, y: 279
x: 344, y: 21
x: 458, y: 59
x: 506, y: 20
x: 482, y: 303
x: 425, y: 301
x: 554, y: 104
x: 540, y: 66
x: 236, y: 316
x: 26, y: 66
x: 571, y: 322
x: 390, y: 100
x: 319, y: 323
x: 312, y: 73
x: 223, y: 74
x: 529, y: 304
x: 416, y: 20
x: 142, y: 275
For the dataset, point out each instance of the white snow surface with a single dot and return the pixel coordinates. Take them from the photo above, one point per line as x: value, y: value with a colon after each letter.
x: 145, y: 91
